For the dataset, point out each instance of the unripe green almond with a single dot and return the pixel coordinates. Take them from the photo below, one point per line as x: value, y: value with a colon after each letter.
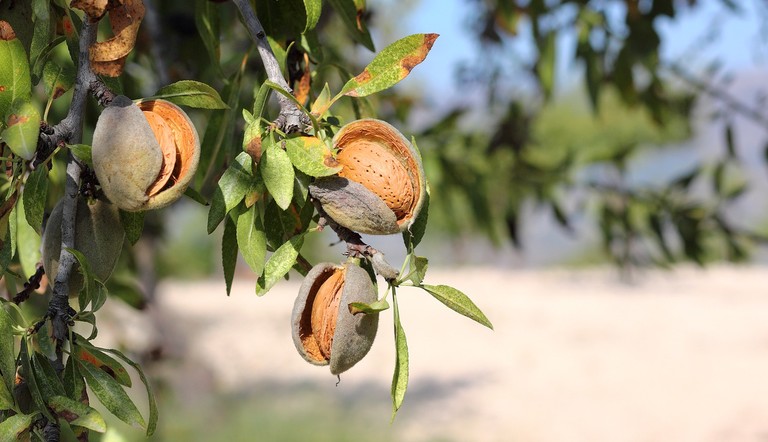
x: 144, y: 154
x: 353, y: 206
x: 99, y: 237
x: 353, y: 335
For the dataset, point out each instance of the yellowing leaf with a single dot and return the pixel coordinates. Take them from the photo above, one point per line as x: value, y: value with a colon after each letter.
x: 390, y: 66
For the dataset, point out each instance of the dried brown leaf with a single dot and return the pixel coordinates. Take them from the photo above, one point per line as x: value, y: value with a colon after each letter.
x: 94, y: 9
x: 108, y: 57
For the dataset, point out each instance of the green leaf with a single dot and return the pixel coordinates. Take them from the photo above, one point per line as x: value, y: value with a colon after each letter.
x: 230, y: 190
x: 88, y: 278
x: 277, y: 172
x: 311, y: 156
x: 133, y: 225
x: 390, y: 66
x: 57, y: 78
x: 252, y: 135
x: 418, y: 269
x: 458, y: 302
x: 22, y: 129
x: 283, y: 20
x: 82, y: 152
x: 730, y: 144
x: 229, y: 252
x: 252, y: 239
x: 7, y: 354
x: 111, y: 395
x: 279, y: 264
x: 191, y: 93
x: 313, y: 8
x: 195, y: 196
x: 27, y: 241
x: 208, y: 25
x: 47, y: 380
x: 77, y: 413
x: 73, y: 381
x: 13, y: 427
x: 31, y: 379
x: 260, y: 98
x: 15, y: 80
x: 6, y: 399
x: 400, y: 375
x: 41, y: 34
x: 351, y: 16
x: 545, y: 67
x: 372, y: 308
x: 152, y: 422
x: 413, y: 236
x: 34, y: 197
x: 280, y: 54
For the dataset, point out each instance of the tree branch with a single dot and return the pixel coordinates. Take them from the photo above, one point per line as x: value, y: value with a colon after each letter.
x: 355, y: 246
x: 290, y: 119
x: 71, y: 129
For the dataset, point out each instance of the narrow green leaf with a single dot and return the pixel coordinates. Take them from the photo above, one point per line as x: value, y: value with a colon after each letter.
x: 322, y: 102
x: 15, y: 80
x: 133, y: 225
x: 88, y: 278
x: 22, y: 129
x: 279, y: 264
x: 229, y: 252
x: 351, y: 16
x: 209, y: 27
x: 458, y: 302
x: 400, y: 375
x: 368, y: 309
x: 230, y: 190
x: 260, y: 98
x: 27, y: 241
x: 152, y: 421
x: 31, y: 380
x: 13, y: 427
x: 111, y: 395
x: 311, y: 156
x: 77, y: 413
x: 82, y: 152
x: 280, y: 54
x: 277, y: 171
x: 47, y: 380
x: 390, y: 66
x: 191, y: 93
x: 313, y: 8
x: 252, y: 239
x: 419, y: 265
x: 41, y: 34
x: 545, y: 67
x: 195, y: 196
x: 57, y: 78
x: 730, y: 144
x: 413, y: 236
x: 73, y: 381
x: 6, y: 399
x: 34, y: 197
x: 7, y: 355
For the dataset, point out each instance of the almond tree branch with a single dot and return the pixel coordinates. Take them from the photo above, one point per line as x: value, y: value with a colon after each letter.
x: 290, y: 119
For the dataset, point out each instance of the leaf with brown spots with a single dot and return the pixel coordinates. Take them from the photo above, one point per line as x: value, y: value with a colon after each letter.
x: 22, y: 129
x: 77, y: 413
x: 311, y: 156
x: 390, y: 66
x: 108, y: 57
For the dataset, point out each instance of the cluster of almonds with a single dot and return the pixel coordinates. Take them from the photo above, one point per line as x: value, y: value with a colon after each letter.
x: 144, y: 156
x: 379, y: 191
x: 146, y: 153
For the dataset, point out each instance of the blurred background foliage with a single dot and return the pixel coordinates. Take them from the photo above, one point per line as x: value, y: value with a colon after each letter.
x: 558, y: 123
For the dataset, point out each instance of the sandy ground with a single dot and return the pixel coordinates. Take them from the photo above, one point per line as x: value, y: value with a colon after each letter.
x: 575, y: 355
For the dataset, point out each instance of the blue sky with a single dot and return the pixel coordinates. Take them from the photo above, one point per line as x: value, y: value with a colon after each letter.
x: 736, y: 46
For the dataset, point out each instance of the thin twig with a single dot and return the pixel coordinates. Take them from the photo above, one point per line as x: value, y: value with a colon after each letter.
x: 723, y: 96
x: 290, y: 119
x: 30, y: 286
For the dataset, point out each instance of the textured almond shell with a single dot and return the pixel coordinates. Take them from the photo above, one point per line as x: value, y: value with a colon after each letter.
x: 393, y: 170
x: 354, y: 334
x: 128, y: 158
x: 99, y: 236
